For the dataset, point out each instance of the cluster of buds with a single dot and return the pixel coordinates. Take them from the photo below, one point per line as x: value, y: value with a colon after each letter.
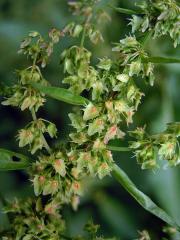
x: 133, y: 57
x: 115, y: 98
x: 83, y: 7
x: 23, y: 95
x: 32, y: 135
x: 165, y: 145
x: 35, y: 47
x: 160, y: 17
x: 56, y: 175
x: 76, y: 65
x: 35, y: 220
x: 74, y: 30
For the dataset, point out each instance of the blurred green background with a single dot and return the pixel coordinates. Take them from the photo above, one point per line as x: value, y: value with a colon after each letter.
x: 105, y: 201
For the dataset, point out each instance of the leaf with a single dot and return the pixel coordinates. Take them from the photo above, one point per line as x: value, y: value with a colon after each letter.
x: 118, y: 149
x: 7, y: 162
x: 141, y: 198
x: 126, y: 11
x: 61, y: 94
x: 162, y: 60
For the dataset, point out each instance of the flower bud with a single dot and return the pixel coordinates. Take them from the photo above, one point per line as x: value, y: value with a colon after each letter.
x: 77, y: 188
x: 103, y: 170
x: 123, y: 78
x: 90, y: 112
x: 60, y: 167
x: 96, y: 126
x: 75, y: 202
x: 135, y: 68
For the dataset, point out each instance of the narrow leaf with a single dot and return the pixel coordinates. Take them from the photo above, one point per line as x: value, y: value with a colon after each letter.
x: 118, y: 149
x: 61, y: 94
x: 12, y: 161
x: 126, y: 11
x: 141, y: 198
x: 162, y: 60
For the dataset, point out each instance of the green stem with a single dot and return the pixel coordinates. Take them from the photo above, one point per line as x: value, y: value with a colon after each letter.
x: 83, y: 36
x: 33, y: 114
x: 42, y: 136
x: 141, y: 198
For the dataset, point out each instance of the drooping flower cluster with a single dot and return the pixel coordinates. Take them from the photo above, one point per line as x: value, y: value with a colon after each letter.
x: 23, y: 94
x: 162, y: 17
x: 165, y: 145
x: 32, y: 134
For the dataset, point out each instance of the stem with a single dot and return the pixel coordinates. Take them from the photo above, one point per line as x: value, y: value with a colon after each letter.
x: 83, y: 36
x: 33, y: 114
x: 42, y: 136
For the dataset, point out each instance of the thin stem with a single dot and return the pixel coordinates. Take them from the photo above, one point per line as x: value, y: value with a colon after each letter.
x: 83, y: 36
x: 42, y: 136
x: 33, y: 114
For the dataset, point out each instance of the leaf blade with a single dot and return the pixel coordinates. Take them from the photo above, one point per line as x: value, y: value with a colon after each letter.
x: 141, y: 198
x: 61, y: 94
x: 163, y: 60
x: 126, y: 11
x: 118, y: 149
x: 7, y: 163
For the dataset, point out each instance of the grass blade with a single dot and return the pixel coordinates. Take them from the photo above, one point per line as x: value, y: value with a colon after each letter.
x: 141, y: 198
x: 61, y: 94
x: 12, y: 161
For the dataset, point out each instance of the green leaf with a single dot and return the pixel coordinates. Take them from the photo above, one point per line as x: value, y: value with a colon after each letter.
x: 126, y: 11
x: 118, y: 149
x: 61, y: 94
x: 8, y: 163
x: 141, y: 198
x: 162, y: 60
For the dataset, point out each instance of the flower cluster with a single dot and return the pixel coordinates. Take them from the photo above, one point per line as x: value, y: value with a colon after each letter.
x: 115, y: 98
x: 32, y: 134
x: 35, y: 47
x: 33, y: 220
x: 76, y: 65
x: 23, y: 95
x: 57, y: 175
x: 160, y: 17
x: 134, y: 58
x: 165, y: 145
